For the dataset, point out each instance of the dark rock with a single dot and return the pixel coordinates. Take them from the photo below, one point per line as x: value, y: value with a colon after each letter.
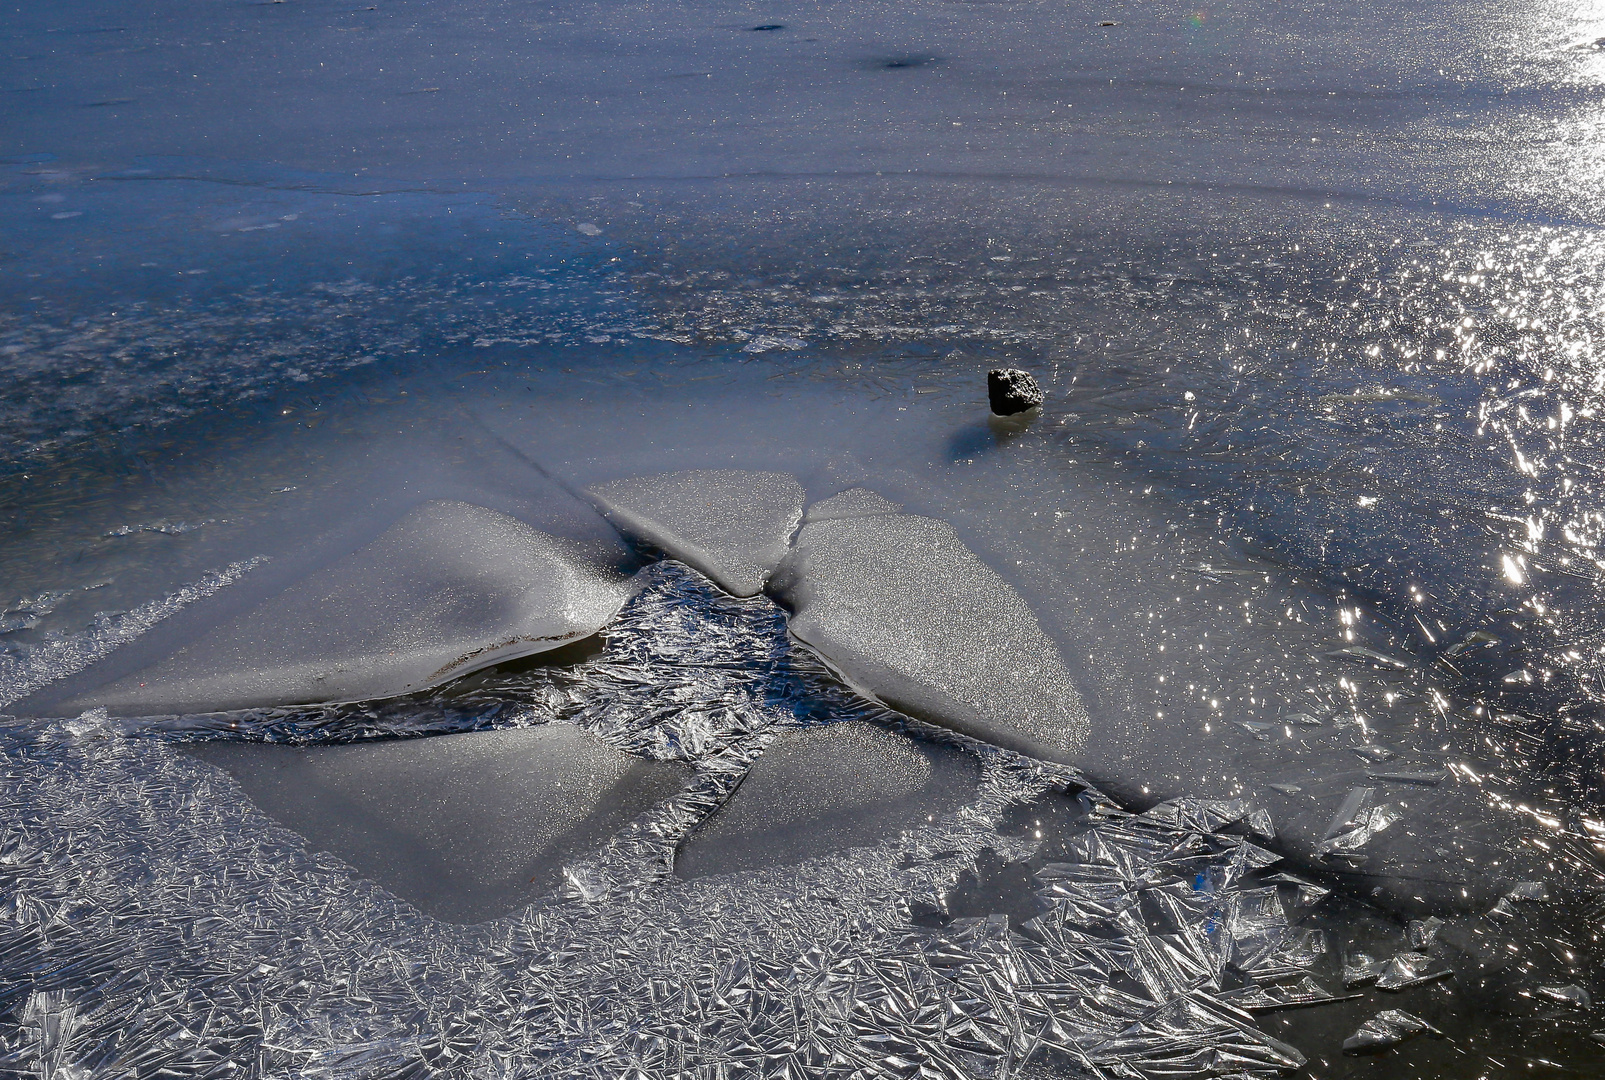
x: 1012, y: 391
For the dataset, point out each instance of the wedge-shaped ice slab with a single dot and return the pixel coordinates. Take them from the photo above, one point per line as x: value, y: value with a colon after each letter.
x: 854, y: 502
x: 731, y: 524
x: 464, y: 827
x: 905, y: 611
x: 822, y: 789
x: 449, y: 588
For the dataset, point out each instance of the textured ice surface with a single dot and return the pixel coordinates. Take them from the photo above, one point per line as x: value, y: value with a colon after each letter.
x: 449, y: 588
x: 26, y: 670
x: 854, y: 502
x: 156, y: 921
x: 305, y: 969
x: 904, y: 610
x: 1343, y: 308
x: 732, y: 524
x: 821, y: 789
x: 463, y: 826
x: 1386, y: 1029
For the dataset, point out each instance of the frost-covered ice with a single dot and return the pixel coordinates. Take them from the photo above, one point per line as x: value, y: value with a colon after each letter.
x: 448, y: 589
x: 906, y: 611
x: 65, y: 655
x: 732, y: 524
x: 307, y: 967
x: 463, y: 826
x: 820, y: 789
x: 1311, y: 508
x: 854, y: 502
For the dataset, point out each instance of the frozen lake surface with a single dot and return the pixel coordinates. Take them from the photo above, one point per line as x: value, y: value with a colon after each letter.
x: 507, y: 569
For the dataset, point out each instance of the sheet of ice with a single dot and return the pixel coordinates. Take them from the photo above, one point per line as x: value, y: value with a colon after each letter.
x: 854, y: 502
x: 732, y: 524
x: 822, y: 789
x: 1341, y: 299
x: 61, y: 656
x: 308, y: 964
x: 465, y: 827
x: 900, y: 606
x: 1200, y: 652
x: 306, y: 968
x: 448, y: 589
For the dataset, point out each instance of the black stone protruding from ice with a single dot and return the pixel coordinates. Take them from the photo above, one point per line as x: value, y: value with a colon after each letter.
x: 1012, y: 390
x: 448, y: 589
x: 731, y: 524
x: 465, y: 827
x: 904, y: 611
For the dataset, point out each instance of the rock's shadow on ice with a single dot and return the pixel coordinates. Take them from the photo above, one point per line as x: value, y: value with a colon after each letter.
x: 823, y: 789
x: 465, y: 827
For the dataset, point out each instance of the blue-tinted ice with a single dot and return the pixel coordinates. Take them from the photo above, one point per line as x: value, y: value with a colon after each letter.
x: 1310, y: 518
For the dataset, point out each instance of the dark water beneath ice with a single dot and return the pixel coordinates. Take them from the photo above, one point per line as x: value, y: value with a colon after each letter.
x: 1314, y: 292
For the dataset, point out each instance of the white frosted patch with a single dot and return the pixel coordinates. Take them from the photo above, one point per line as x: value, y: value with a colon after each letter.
x: 854, y: 502
x: 466, y: 827
x: 905, y: 611
x: 731, y: 524
x: 448, y: 589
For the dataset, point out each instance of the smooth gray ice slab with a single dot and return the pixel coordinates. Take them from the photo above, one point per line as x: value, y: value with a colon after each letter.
x: 731, y: 524
x: 905, y: 611
x: 464, y: 827
x: 446, y: 590
x: 823, y: 789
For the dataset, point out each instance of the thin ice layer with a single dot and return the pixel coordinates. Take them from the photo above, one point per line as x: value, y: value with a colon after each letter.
x: 27, y: 670
x: 732, y: 524
x: 904, y: 610
x: 448, y: 589
x: 465, y: 827
x: 829, y: 788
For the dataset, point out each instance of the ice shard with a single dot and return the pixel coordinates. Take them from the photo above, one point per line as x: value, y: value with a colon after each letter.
x: 854, y: 502
x: 465, y: 827
x: 829, y: 788
x: 731, y: 524
x: 905, y: 611
x: 448, y: 589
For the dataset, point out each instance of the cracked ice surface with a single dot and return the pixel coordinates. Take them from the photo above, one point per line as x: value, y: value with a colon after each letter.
x: 447, y: 589
x: 155, y: 921
x: 854, y: 502
x: 732, y: 524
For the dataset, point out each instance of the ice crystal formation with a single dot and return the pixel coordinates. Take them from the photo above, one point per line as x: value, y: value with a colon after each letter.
x: 157, y: 922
